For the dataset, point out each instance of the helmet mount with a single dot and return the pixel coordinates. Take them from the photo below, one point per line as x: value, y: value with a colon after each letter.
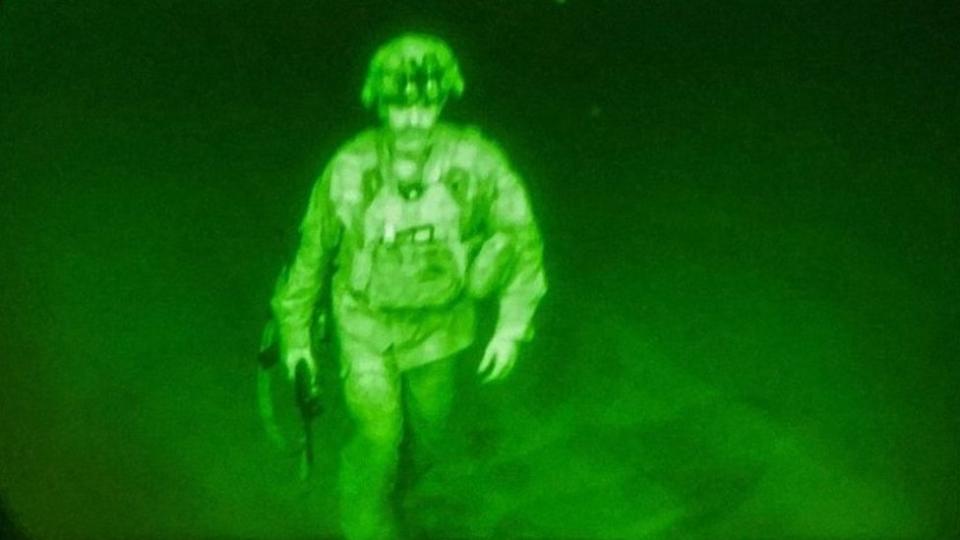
x: 412, y: 69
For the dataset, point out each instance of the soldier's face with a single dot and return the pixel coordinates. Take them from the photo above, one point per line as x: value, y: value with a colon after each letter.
x: 411, y: 124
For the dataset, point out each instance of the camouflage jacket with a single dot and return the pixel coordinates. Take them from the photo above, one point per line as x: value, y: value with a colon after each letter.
x: 405, y: 272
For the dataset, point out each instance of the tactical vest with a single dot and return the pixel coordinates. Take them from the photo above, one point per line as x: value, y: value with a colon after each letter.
x: 411, y: 252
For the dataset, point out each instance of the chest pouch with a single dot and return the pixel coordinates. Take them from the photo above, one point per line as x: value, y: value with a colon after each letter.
x: 408, y: 275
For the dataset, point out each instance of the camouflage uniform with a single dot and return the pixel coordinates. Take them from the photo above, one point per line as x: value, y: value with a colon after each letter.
x: 406, y: 273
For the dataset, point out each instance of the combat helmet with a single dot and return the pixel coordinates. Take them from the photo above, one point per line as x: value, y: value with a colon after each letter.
x: 412, y: 69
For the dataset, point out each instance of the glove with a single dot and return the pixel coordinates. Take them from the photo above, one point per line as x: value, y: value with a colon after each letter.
x: 498, y: 359
x: 295, y: 356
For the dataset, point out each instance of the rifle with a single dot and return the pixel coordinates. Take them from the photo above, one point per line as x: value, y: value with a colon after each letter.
x: 306, y: 398
x: 308, y: 403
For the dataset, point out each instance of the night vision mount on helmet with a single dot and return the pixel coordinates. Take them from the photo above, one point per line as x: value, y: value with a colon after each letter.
x: 412, y: 69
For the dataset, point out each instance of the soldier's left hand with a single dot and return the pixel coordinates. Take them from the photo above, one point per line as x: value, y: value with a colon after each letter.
x: 498, y: 359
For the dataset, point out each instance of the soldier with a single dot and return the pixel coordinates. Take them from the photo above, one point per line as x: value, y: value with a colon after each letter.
x: 414, y: 221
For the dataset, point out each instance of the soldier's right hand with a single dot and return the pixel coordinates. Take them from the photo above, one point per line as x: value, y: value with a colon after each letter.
x: 295, y: 356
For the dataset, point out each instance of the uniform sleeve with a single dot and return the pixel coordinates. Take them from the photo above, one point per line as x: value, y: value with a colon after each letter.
x: 295, y: 299
x: 510, y: 214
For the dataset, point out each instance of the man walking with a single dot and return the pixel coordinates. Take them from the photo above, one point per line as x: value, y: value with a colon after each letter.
x: 413, y: 221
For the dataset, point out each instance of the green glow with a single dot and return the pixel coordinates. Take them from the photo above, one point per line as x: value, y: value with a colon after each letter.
x: 405, y: 234
x: 392, y: 69
x: 749, y: 215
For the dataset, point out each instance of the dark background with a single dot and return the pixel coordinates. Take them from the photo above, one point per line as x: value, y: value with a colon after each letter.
x: 751, y: 217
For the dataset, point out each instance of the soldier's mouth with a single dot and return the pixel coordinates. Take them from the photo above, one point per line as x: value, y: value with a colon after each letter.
x: 411, y: 140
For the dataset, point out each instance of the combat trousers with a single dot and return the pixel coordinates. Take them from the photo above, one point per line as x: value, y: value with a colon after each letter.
x: 377, y: 394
